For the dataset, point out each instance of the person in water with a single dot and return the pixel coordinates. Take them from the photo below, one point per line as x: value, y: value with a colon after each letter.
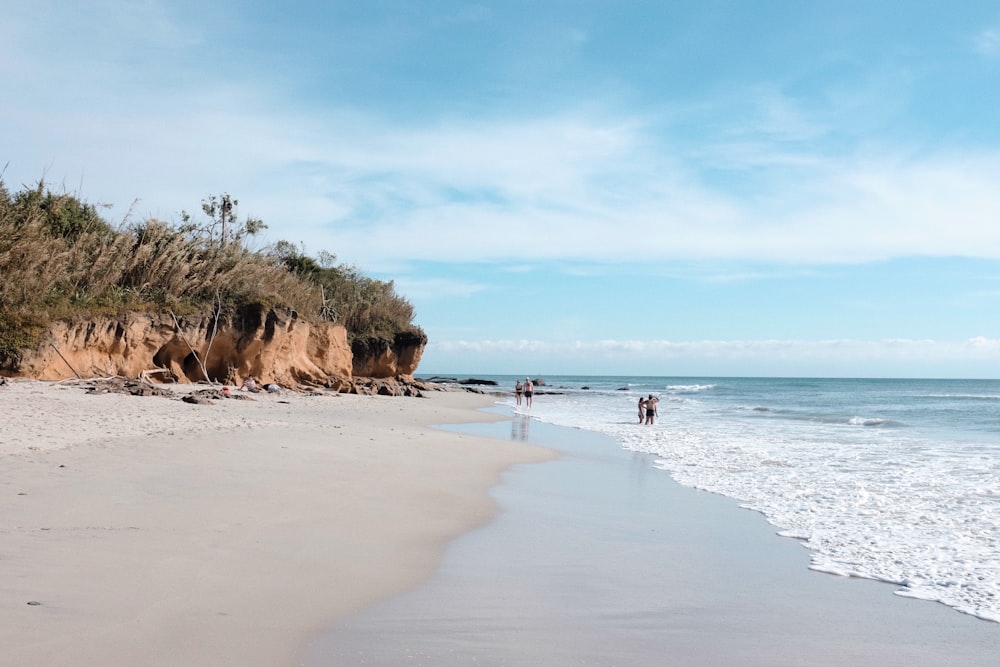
x: 650, y: 404
x: 518, y: 391
x: 642, y: 409
x: 529, y: 391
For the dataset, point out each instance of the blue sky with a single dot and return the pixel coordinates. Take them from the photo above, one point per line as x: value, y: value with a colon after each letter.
x: 662, y: 188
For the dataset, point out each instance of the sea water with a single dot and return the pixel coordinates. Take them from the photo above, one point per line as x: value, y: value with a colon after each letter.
x: 894, y: 480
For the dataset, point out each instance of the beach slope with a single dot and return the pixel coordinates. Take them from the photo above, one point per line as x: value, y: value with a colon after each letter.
x: 146, y: 530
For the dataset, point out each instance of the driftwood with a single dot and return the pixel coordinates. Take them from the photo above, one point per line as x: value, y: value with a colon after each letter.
x: 194, y: 353
x: 121, y: 385
x: 65, y: 360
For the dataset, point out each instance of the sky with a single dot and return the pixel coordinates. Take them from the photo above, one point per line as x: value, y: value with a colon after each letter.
x: 684, y: 188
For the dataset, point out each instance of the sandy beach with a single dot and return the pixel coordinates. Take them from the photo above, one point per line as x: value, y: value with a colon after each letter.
x: 149, y: 531
x: 343, y: 530
x: 599, y: 559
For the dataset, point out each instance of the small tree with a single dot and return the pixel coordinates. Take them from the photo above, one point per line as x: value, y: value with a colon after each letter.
x: 222, y: 221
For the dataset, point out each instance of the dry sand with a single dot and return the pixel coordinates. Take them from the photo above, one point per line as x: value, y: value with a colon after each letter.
x: 149, y: 531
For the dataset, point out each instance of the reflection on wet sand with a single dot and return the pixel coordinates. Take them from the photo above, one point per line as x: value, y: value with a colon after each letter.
x: 519, y: 427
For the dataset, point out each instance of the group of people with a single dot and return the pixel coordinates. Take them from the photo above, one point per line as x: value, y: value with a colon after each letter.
x: 647, y: 409
x: 525, y: 390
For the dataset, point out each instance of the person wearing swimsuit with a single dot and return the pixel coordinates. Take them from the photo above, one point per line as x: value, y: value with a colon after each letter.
x: 518, y: 390
x: 651, y: 408
x: 529, y: 391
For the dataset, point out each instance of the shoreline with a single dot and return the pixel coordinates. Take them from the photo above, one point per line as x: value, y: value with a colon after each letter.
x: 599, y: 558
x: 146, y: 530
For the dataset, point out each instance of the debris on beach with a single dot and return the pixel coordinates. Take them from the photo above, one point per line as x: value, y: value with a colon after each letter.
x: 204, y: 396
x: 399, y: 386
x: 122, y: 385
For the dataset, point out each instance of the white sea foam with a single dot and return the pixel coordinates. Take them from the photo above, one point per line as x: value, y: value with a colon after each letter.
x: 690, y: 388
x: 867, y: 421
x: 891, y: 504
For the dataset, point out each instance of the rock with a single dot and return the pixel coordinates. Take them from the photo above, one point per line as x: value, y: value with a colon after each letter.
x: 399, y: 386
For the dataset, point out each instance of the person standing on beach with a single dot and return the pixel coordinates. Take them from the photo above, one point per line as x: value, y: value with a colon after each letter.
x: 642, y: 409
x: 650, y: 404
x: 529, y: 391
x: 518, y: 390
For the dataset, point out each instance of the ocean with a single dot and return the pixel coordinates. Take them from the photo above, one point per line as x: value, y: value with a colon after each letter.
x: 892, y: 480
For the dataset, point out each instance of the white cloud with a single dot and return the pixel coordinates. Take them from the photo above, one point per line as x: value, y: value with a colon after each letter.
x: 428, y: 289
x: 566, y: 186
x: 842, y: 349
x: 547, y: 206
x: 575, y: 184
x: 561, y: 187
x: 985, y: 345
x: 978, y: 357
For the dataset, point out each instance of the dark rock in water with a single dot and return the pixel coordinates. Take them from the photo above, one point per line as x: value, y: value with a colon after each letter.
x: 622, y: 388
x: 491, y: 383
x: 539, y: 382
x: 585, y: 388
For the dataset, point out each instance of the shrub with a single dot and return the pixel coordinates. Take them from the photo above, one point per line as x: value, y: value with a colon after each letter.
x: 59, y: 259
x: 369, y: 309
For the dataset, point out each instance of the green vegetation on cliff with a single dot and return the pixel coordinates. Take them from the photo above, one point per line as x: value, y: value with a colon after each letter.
x: 59, y: 259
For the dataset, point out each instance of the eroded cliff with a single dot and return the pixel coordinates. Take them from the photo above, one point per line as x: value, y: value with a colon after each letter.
x: 384, y: 359
x: 274, y: 345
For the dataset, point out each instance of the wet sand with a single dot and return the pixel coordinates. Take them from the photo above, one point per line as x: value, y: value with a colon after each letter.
x: 598, y: 558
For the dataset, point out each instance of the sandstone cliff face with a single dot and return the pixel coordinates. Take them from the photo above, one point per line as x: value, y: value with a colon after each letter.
x: 272, y: 345
x: 397, y: 359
